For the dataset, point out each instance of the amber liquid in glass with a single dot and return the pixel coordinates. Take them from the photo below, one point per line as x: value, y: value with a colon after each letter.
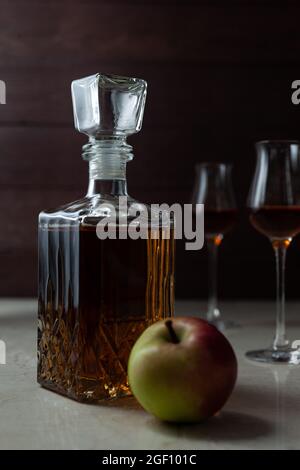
x: 219, y: 221
x: 95, y: 298
x: 277, y: 222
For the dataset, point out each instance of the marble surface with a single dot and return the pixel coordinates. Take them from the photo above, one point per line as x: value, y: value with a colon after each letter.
x: 262, y: 413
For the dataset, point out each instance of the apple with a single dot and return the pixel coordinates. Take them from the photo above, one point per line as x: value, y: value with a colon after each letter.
x: 182, y: 369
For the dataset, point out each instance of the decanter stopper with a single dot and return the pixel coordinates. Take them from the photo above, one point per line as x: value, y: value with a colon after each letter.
x: 108, y: 105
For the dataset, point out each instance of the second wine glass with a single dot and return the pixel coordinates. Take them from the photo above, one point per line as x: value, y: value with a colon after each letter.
x: 213, y: 188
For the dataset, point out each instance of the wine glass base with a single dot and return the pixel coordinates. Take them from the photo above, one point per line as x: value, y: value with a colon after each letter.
x: 275, y: 356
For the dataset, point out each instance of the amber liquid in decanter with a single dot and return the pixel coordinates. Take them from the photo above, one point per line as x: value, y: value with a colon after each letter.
x: 96, y: 297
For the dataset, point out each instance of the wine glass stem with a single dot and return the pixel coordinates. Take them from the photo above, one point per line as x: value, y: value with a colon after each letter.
x: 213, y: 311
x: 280, y: 341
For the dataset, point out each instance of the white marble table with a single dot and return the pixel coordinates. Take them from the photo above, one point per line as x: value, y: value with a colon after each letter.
x: 262, y: 413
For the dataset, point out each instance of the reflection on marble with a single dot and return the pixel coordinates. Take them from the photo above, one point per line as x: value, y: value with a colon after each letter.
x: 262, y: 413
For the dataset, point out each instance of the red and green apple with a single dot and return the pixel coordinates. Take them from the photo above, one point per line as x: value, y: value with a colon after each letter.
x: 182, y: 369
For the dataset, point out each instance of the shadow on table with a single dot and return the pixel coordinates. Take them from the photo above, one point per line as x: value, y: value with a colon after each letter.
x: 125, y: 403
x: 227, y: 426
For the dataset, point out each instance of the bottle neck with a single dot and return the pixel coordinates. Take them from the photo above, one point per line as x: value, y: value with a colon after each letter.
x: 107, y: 159
x: 107, y: 187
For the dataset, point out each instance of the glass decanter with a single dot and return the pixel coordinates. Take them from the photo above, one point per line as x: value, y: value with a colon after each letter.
x: 96, y: 296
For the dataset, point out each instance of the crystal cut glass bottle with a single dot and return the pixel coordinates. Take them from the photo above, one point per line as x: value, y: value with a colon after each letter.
x: 96, y: 296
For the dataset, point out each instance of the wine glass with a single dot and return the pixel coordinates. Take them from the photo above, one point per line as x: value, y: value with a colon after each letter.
x: 213, y: 188
x: 274, y: 203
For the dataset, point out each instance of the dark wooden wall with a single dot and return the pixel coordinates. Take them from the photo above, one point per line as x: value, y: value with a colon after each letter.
x: 219, y: 75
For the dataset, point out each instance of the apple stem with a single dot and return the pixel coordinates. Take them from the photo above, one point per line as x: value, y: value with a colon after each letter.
x: 173, y: 336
